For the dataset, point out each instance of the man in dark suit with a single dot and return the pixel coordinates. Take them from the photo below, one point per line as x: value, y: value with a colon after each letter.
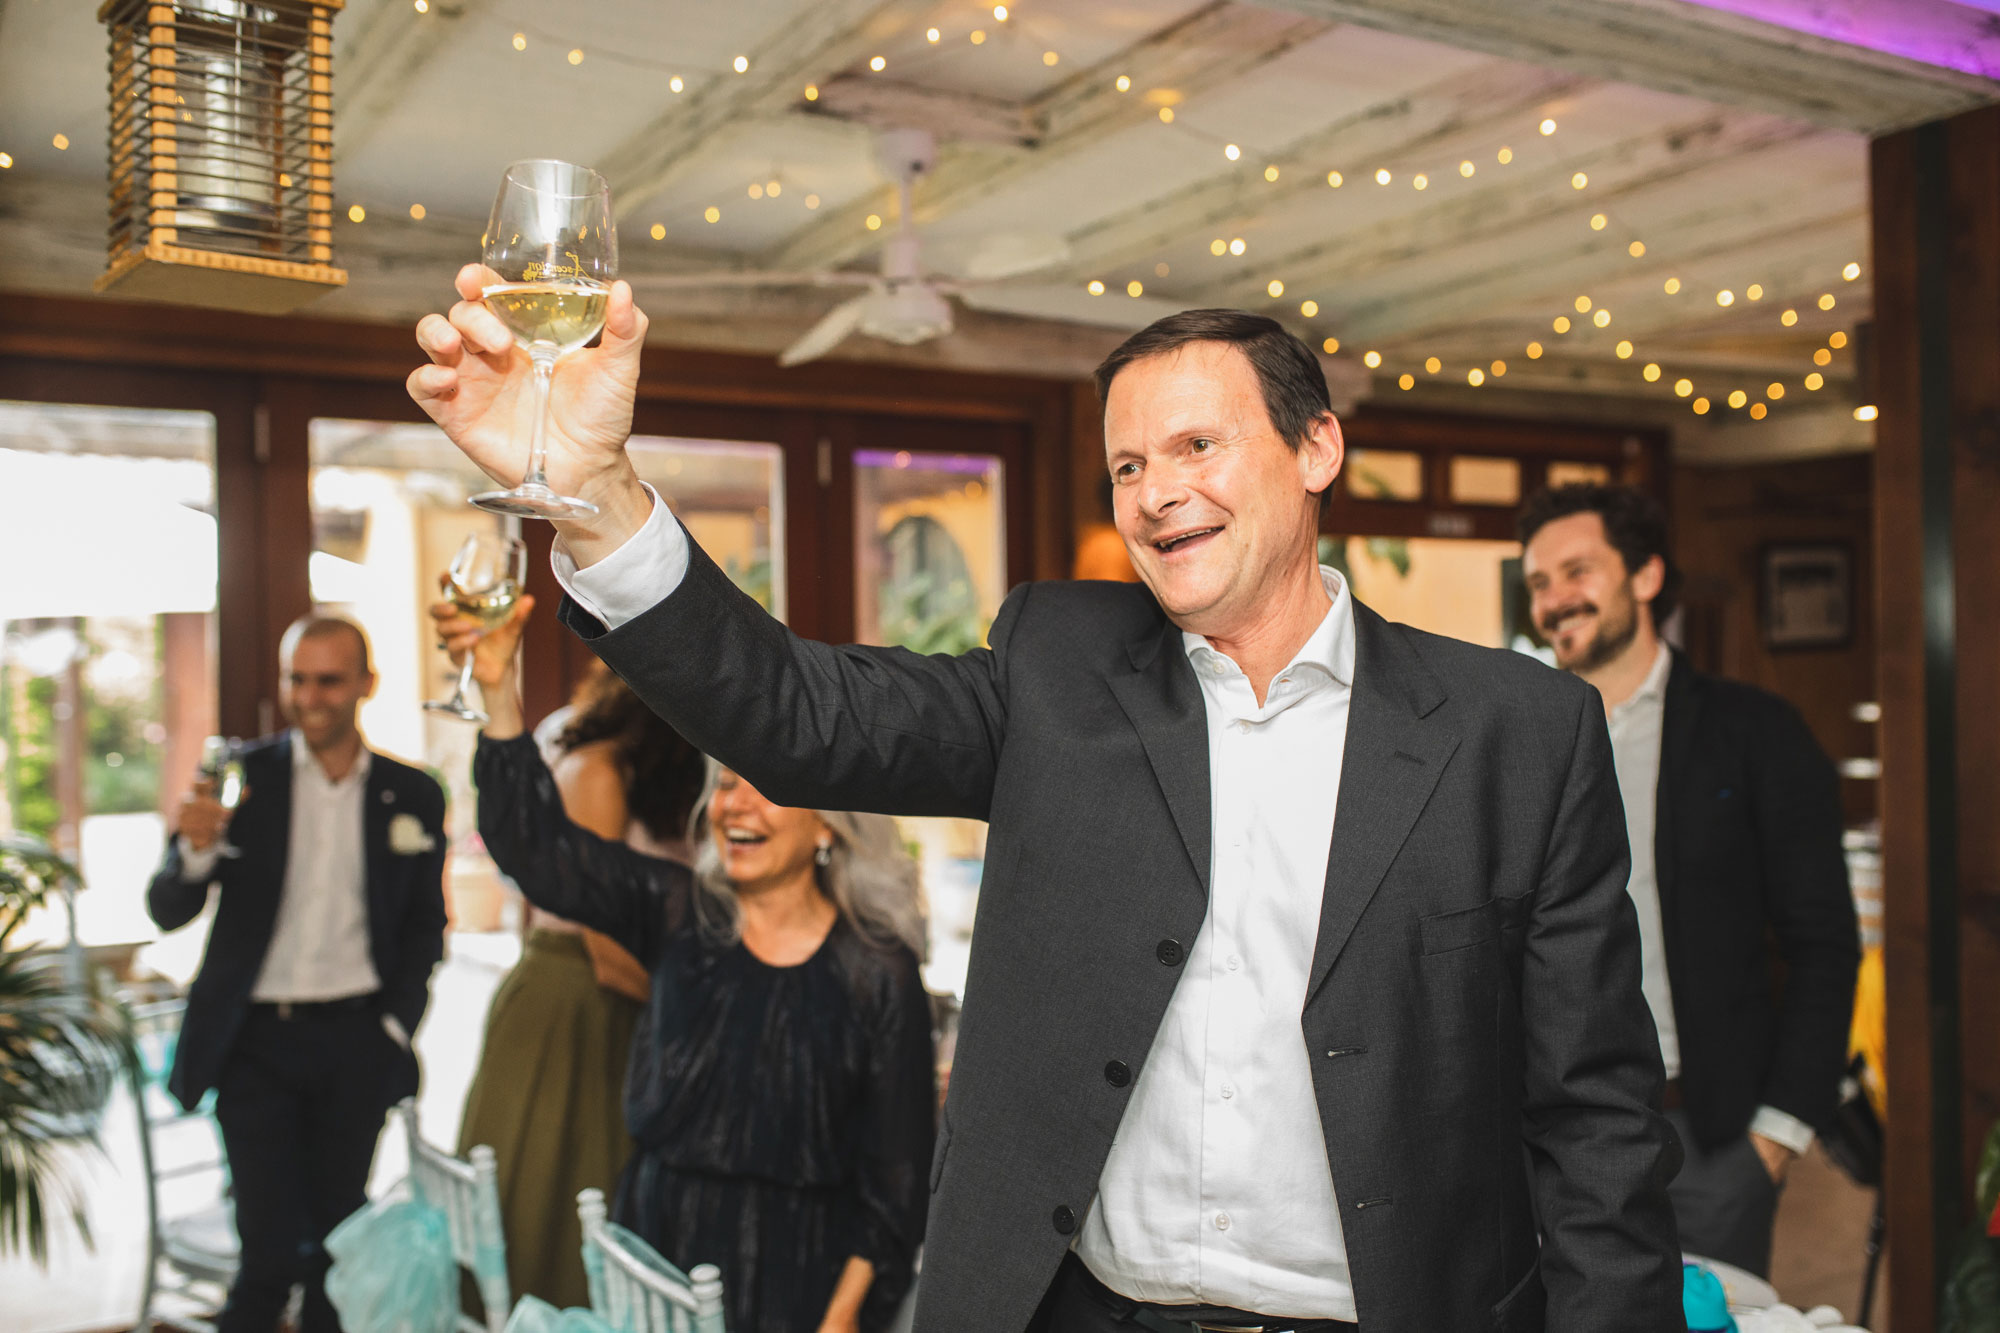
x: 1304, y: 990
x: 1733, y: 812
x: 329, y: 918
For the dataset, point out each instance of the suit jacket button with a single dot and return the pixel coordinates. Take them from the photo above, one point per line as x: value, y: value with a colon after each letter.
x: 1064, y: 1219
x: 1117, y: 1074
x: 1170, y: 953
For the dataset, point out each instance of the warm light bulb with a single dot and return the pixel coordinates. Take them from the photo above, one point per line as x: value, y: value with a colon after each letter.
x: 1095, y: 288
x: 1218, y: 247
x: 417, y: 212
x: 1231, y: 151
x: 1166, y: 115
x: 357, y: 213
x: 1822, y: 357
x: 1382, y: 176
x: 1499, y: 369
x: 741, y: 64
x: 976, y: 36
x: 1701, y: 407
x: 1578, y: 181
x: 1466, y: 168
x: 1624, y: 350
x: 520, y: 41
x: 1534, y: 351
x: 1160, y: 270
x: 1000, y: 13
x: 1334, y: 179
x: 1815, y: 381
x: 932, y: 35
x: 675, y: 83
x: 1672, y: 286
x: 576, y: 55
x: 1737, y: 397
x: 1826, y: 301
x: 1836, y: 339
x: 1682, y: 388
x: 1851, y: 272
x: 878, y: 64
x: 1371, y: 359
x: 756, y: 190
x: 1789, y: 318
x: 1637, y: 249
x: 1582, y: 305
x: 1548, y: 127
x: 1652, y: 372
x: 1758, y: 411
x: 812, y: 201
x: 1561, y: 324
x: 1433, y: 365
x: 1237, y: 247
x: 1601, y: 318
x: 1725, y: 297
x: 1330, y: 346
x: 1050, y: 57
x: 1420, y: 181
x: 1271, y: 173
x: 1475, y: 377
x: 1135, y: 288
x: 1308, y: 308
x: 1866, y: 412
x: 773, y: 188
x: 874, y: 222
x: 1755, y: 291
x: 711, y: 214
x: 1406, y: 381
x: 1275, y: 288
x: 1598, y: 222
x: 812, y: 92
x: 1505, y: 155
x: 1774, y: 390
x: 61, y: 141
x: 1124, y: 84
x: 659, y: 232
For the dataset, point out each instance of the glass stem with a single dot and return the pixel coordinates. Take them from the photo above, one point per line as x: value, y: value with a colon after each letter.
x: 545, y: 367
x: 464, y: 682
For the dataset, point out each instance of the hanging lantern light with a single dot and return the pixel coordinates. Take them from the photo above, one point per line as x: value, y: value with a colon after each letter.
x: 222, y: 152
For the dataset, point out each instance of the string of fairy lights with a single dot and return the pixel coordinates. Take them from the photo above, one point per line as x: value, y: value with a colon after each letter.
x: 1583, y: 314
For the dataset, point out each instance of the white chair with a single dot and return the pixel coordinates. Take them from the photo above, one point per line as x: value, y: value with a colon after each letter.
x: 468, y: 1194
x: 191, y: 1223
x: 636, y: 1290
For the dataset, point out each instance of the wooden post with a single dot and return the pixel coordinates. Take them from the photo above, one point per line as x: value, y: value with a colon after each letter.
x: 1936, y: 216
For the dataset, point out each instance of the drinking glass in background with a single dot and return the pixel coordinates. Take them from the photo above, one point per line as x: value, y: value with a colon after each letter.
x: 485, y: 580
x: 222, y: 766
x: 551, y: 252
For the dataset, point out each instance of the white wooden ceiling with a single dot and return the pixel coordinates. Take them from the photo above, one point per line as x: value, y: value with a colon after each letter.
x: 1732, y: 150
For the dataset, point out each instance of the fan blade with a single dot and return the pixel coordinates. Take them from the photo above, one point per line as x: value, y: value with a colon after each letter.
x: 746, y: 278
x: 831, y: 330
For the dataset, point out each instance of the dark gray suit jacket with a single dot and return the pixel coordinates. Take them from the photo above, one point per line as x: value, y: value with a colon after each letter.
x: 1487, y: 1072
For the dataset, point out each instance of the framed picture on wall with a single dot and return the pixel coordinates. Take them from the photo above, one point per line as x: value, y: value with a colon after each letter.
x: 1808, y: 595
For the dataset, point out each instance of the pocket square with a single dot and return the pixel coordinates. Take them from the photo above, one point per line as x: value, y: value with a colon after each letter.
x: 407, y: 836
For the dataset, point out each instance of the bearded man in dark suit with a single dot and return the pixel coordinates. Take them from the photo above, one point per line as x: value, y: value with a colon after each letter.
x: 1304, y: 991
x: 328, y: 882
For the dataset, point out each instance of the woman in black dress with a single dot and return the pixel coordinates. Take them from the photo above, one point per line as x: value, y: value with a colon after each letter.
x: 781, y: 1091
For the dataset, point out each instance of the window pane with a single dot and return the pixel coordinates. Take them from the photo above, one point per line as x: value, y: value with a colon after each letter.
x: 1572, y: 474
x: 107, y: 663
x: 930, y: 549
x: 1384, y: 474
x: 731, y: 496
x: 1444, y: 585
x: 1485, y: 481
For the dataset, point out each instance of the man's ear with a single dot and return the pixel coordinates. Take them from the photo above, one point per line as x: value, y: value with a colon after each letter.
x: 1647, y: 582
x: 1321, y: 454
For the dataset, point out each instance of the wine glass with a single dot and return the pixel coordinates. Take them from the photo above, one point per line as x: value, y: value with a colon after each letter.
x: 551, y: 252
x: 484, y: 580
x: 222, y: 765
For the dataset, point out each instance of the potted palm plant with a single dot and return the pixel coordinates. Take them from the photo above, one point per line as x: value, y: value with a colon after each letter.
x: 62, y: 1047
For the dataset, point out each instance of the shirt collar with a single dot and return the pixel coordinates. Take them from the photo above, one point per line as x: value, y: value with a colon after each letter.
x: 304, y: 763
x: 1654, y: 687
x: 1331, y: 647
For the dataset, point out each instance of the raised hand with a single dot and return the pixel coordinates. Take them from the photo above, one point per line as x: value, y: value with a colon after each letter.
x: 479, y: 389
x: 492, y: 649
x: 203, y: 819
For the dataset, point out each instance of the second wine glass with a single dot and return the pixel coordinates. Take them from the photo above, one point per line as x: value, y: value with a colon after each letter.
x: 551, y: 251
x: 485, y: 581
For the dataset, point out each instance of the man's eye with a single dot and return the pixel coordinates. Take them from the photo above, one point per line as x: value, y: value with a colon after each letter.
x: 1126, y: 471
x: 1201, y: 445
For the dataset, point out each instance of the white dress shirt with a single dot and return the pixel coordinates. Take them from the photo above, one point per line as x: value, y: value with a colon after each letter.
x: 1217, y: 1190
x: 1636, y: 728
x: 319, y: 942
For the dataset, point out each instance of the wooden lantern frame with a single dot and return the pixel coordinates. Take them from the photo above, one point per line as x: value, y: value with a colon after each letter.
x: 226, y: 202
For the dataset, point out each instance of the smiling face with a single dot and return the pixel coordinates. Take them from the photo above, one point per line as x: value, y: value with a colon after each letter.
x: 761, y: 845
x: 1583, y: 599
x: 321, y: 683
x: 1216, y: 509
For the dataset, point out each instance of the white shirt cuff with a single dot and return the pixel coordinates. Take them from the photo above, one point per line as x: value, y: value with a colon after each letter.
x: 633, y: 579
x: 197, y: 866
x: 1782, y: 1128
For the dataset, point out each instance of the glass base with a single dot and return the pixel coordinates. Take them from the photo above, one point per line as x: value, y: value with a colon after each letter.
x: 534, y: 501
x: 456, y: 709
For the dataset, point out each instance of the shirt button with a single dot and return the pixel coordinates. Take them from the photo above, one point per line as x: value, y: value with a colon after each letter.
x: 1222, y: 1221
x: 1228, y: 1091
x: 1064, y: 1219
x: 1234, y: 962
x: 1170, y: 953
x: 1117, y: 1074
x: 1242, y: 725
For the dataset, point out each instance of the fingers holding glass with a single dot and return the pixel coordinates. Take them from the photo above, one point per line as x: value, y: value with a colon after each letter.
x: 484, y: 583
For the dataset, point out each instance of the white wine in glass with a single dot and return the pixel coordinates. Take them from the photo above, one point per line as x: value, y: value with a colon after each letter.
x: 550, y: 252
x: 222, y: 765
x: 484, y: 581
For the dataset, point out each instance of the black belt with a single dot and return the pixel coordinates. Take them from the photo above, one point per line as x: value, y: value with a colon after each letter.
x: 293, y: 1010
x: 1202, y: 1318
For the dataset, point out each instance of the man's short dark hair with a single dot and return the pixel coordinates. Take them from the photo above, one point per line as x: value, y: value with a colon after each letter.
x: 321, y: 625
x: 1288, y: 373
x: 1634, y: 524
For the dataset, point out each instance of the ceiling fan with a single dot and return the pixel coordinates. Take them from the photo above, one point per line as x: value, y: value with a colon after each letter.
x: 902, y: 304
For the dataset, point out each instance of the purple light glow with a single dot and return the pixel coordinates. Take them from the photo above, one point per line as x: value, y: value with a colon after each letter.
x: 973, y: 464
x: 1951, y: 34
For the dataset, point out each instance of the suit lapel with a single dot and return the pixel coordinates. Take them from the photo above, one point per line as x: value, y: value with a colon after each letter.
x: 1163, y: 701
x: 278, y: 826
x: 378, y: 807
x: 1390, y: 766
x: 1678, y: 718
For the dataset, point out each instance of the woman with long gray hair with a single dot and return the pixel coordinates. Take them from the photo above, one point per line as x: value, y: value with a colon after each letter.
x: 781, y: 1089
